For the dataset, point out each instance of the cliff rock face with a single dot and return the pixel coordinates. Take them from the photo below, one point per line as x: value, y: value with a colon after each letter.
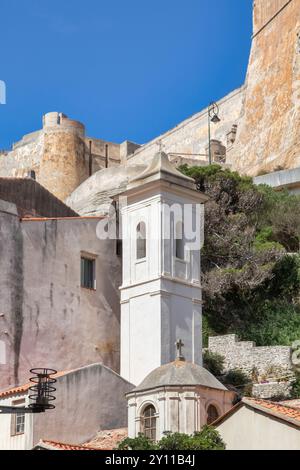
x: 268, y: 135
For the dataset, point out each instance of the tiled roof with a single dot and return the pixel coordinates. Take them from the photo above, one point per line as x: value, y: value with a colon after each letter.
x: 54, y: 445
x: 108, y: 439
x: 79, y: 217
x: 179, y: 372
x: 275, y: 409
x: 104, y: 440
x: 24, y: 388
x: 293, y: 403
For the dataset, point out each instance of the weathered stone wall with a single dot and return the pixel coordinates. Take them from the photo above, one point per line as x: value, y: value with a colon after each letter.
x: 60, y: 154
x: 63, y: 166
x: 25, y: 156
x: 269, y: 128
x: 46, y: 317
x: 11, y: 291
x: 272, y: 390
x: 189, y: 140
x: 246, y: 356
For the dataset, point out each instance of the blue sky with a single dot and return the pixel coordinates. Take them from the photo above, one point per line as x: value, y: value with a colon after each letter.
x: 128, y: 69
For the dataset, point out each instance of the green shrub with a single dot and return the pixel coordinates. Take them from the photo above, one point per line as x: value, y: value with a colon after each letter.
x: 295, y: 391
x: 237, y: 378
x: 207, y: 439
x: 277, y: 322
x: 250, y: 286
x: 139, y: 443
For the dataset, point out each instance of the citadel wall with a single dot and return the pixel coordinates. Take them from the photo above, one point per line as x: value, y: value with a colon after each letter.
x: 269, y: 127
x: 258, y: 132
x: 60, y: 154
x: 188, y: 142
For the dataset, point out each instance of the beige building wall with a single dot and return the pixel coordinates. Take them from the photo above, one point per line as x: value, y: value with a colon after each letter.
x: 46, y: 317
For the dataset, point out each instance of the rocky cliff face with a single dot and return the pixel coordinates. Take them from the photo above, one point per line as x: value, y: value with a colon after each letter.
x: 268, y: 135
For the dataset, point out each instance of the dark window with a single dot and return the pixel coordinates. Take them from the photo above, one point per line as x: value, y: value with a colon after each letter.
x: 212, y: 414
x: 179, y: 241
x: 149, y: 422
x: 88, y: 278
x: 141, y: 240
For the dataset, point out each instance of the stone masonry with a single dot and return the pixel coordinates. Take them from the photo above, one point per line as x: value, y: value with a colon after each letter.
x: 246, y: 356
x: 269, y: 367
x: 269, y: 126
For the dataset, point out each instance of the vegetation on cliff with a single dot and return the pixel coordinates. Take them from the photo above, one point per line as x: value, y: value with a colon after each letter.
x: 250, y: 258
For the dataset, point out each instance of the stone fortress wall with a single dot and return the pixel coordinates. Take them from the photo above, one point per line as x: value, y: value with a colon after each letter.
x: 272, y: 364
x: 60, y: 155
x: 245, y: 355
x: 269, y: 126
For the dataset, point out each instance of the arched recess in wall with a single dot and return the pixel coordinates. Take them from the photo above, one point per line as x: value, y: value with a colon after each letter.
x: 179, y: 240
x: 212, y: 413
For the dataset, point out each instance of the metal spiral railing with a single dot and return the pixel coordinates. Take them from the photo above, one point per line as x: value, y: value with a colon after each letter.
x: 42, y: 390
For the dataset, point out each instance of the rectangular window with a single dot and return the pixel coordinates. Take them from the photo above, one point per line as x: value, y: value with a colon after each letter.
x: 18, y: 420
x: 88, y: 273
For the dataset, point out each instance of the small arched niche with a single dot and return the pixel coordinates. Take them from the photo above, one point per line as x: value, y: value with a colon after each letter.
x: 179, y: 241
x: 212, y: 414
x: 141, y: 240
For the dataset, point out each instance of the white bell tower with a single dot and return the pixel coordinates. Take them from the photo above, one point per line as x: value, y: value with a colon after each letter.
x: 161, y: 289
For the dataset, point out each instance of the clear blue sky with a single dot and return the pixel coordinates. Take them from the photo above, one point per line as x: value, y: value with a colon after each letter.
x: 128, y: 69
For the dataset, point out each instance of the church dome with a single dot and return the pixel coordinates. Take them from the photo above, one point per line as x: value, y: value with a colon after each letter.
x: 179, y: 373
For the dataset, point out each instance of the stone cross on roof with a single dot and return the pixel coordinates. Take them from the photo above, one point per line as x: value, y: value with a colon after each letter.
x: 179, y: 345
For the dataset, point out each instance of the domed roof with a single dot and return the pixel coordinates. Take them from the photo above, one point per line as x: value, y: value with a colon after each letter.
x: 179, y: 372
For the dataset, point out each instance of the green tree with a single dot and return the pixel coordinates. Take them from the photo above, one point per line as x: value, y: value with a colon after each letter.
x: 213, y: 362
x: 250, y: 285
x: 207, y: 439
x: 138, y: 443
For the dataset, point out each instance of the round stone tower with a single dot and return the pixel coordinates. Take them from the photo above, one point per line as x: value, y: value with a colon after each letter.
x: 63, y: 164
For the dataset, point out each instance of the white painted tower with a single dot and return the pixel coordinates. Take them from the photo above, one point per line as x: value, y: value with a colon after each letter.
x: 161, y: 289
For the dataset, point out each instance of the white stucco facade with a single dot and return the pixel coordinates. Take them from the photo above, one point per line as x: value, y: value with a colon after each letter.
x: 182, y: 409
x: 9, y: 440
x: 249, y: 428
x: 160, y: 293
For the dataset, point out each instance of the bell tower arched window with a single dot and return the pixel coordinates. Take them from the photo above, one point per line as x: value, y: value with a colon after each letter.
x: 141, y: 240
x: 148, y: 422
x: 212, y: 414
x: 179, y: 241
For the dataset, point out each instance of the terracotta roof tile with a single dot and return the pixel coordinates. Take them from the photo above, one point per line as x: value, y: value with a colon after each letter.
x: 275, y: 409
x: 46, y: 444
x: 284, y: 410
x: 293, y: 403
x: 108, y: 439
x: 24, y: 388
